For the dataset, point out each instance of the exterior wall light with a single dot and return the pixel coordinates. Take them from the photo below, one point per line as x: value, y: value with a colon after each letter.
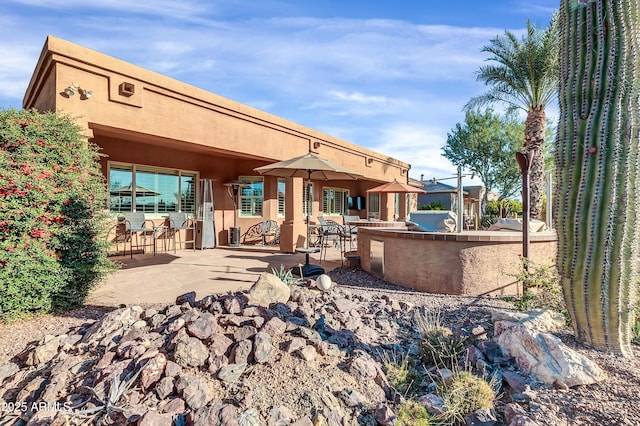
x: 71, y: 90
x: 84, y: 93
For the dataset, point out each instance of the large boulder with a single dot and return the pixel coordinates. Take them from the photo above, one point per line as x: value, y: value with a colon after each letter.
x: 537, y: 320
x: 269, y: 289
x: 544, y: 356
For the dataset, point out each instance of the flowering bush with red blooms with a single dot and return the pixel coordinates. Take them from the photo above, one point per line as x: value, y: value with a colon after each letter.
x: 52, y: 220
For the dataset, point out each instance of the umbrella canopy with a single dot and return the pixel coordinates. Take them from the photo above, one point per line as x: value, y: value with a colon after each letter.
x: 398, y: 188
x: 307, y: 166
x: 141, y: 191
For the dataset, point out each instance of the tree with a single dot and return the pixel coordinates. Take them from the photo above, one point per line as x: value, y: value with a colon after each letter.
x: 486, y: 144
x: 524, y: 78
x: 597, y: 161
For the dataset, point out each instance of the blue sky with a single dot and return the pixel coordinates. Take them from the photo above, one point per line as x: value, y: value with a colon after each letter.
x: 392, y: 76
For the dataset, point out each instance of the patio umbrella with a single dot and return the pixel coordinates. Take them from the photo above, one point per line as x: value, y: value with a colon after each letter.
x: 396, y: 187
x: 307, y: 166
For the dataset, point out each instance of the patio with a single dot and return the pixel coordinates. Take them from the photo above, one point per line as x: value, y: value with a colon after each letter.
x: 148, y: 279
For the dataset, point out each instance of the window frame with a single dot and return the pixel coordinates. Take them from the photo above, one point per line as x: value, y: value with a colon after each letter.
x: 134, y: 168
x: 251, y: 180
x: 332, y: 211
x: 282, y: 202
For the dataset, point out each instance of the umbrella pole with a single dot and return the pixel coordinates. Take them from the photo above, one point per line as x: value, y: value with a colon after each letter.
x: 308, y: 269
x: 309, y: 202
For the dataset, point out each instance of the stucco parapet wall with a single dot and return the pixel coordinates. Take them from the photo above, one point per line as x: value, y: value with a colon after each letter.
x: 466, y: 236
x: 171, y: 109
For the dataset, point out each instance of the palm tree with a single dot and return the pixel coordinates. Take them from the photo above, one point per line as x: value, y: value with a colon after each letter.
x: 525, y: 77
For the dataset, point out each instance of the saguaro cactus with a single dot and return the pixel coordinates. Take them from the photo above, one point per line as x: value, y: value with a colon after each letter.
x: 597, y: 168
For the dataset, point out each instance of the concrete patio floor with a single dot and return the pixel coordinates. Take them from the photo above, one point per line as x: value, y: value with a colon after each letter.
x: 148, y: 279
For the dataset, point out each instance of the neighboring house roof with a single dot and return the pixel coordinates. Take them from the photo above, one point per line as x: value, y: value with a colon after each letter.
x: 439, y: 187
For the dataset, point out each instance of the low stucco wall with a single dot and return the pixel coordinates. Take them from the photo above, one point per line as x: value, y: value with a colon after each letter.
x: 469, y: 263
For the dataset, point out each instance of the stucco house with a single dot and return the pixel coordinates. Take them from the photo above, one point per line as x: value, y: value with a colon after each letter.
x: 161, y: 137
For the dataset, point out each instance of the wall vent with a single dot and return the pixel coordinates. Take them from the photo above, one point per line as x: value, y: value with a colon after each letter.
x: 127, y: 89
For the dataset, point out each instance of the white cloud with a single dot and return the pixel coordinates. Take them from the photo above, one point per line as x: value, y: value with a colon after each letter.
x: 358, y: 97
x: 169, y: 8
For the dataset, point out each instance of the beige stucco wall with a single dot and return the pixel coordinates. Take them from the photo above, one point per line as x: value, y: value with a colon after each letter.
x: 469, y: 263
x: 167, y: 123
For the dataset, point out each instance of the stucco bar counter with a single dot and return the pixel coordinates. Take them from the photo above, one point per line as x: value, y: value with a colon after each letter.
x: 467, y: 263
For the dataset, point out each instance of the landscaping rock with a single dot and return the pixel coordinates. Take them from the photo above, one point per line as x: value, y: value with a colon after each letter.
x: 190, y: 353
x: 536, y: 320
x: 269, y: 289
x: 44, y: 352
x: 195, y: 391
x: 432, y: 403
x: 545, y: 357
x: 189, y: 298
x: 232, y: 372
x: 220, y: 361
x: 203, y: 327
x: 384, y: 415
x: 262, y: 347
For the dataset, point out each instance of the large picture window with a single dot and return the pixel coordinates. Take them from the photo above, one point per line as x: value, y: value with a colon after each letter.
x: 334, y: 201
x: 251, y: 197
x: 151, y: 190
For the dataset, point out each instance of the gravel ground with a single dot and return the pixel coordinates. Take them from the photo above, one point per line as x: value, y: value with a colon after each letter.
x: 613, y: 402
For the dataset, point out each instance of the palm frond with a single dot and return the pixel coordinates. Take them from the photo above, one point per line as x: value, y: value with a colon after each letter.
x: 523, y: 70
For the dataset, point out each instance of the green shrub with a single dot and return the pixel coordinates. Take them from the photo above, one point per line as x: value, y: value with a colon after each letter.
x: 52, y: 221
x: 503, y: 208
x: 463, y: 394
x: 413, y: 414
x: 543, y: 290
x: 436, y: 205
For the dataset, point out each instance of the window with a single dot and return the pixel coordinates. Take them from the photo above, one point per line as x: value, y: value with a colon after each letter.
x: 150, y: 190
x: 307, y: 196
x: 374, y: 205
x: 251, y: 197
x: 281, y: 200
x: 334, y: 201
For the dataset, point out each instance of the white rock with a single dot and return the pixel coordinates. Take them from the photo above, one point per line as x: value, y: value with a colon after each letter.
x: 323, y: 282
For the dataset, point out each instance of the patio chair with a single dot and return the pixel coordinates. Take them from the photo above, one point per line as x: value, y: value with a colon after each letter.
x: 266, y: 232
x: 270, y: 228
x: 181, y: 222
x: 351, y: 231
x: 332, y: 231
x: 135, y: 223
